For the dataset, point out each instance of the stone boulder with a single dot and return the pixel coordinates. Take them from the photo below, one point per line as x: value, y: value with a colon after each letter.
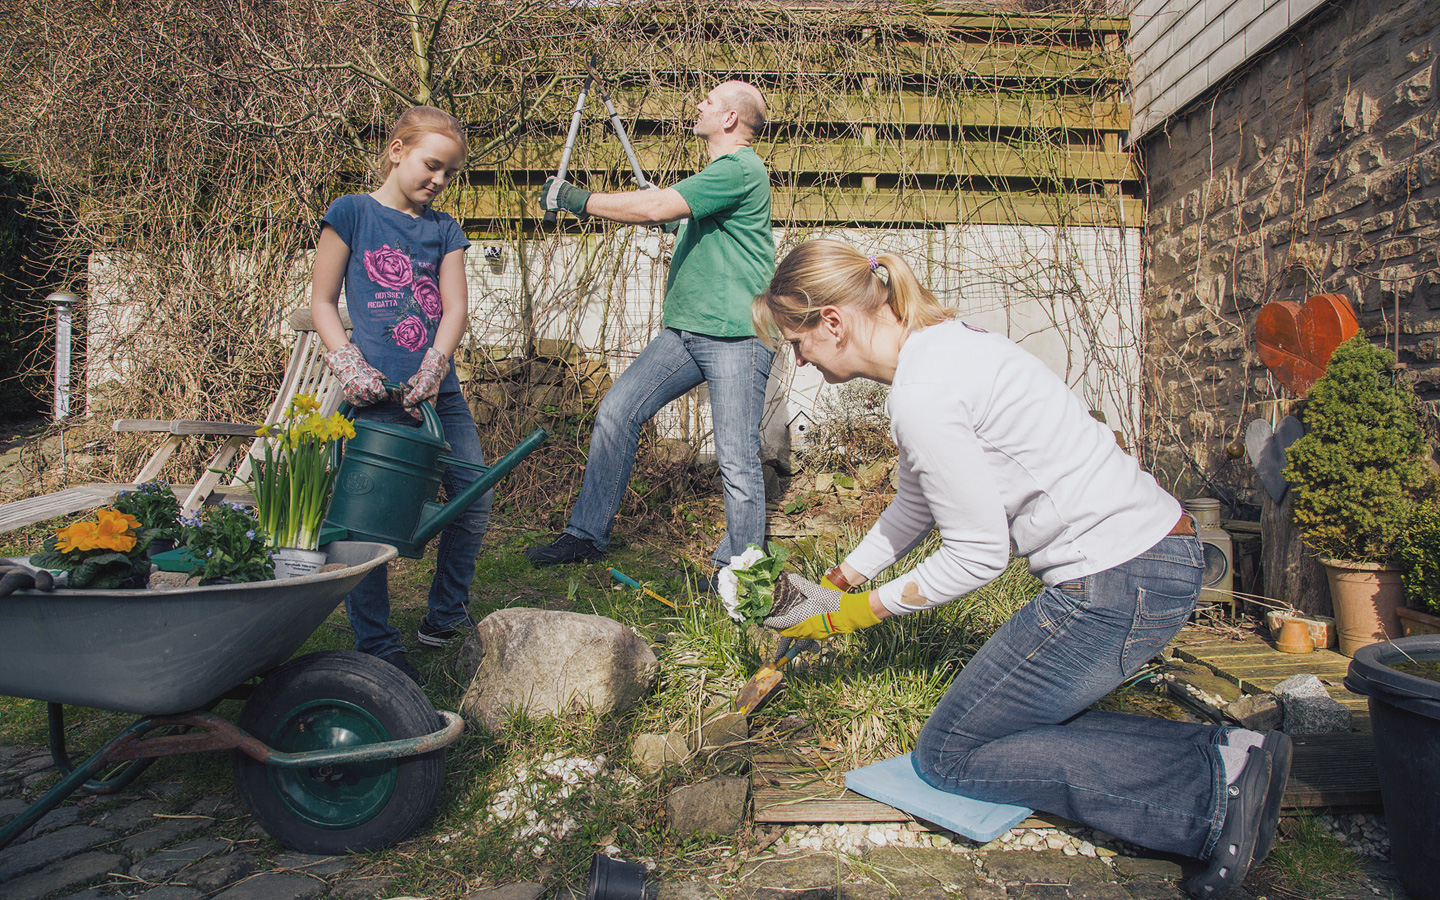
x: 545, y: 662
x: 1309, y: 708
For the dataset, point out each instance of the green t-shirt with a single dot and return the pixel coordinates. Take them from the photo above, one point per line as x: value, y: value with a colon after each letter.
x: 725, y: 254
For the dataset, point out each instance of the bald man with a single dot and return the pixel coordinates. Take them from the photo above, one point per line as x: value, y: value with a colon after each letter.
x: 724, y: 255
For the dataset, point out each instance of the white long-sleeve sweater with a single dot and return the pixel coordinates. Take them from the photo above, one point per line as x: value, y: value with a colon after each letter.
x: 994, y: 448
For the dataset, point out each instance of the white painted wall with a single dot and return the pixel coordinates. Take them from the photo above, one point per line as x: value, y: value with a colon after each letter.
x: 1070, y: 296
x: 1180, y: 48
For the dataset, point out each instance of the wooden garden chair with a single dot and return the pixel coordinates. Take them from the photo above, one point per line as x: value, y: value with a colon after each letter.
x: 306, y: 373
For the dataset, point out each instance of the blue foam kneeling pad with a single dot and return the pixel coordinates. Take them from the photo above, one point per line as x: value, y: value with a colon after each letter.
x: 895, y: 782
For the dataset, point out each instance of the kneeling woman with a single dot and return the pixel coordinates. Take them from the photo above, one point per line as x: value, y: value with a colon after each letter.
x: 995, y: 449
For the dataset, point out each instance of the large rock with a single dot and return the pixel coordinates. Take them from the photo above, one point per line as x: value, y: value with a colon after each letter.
x: 1309, y: 708
x: 545, y: 662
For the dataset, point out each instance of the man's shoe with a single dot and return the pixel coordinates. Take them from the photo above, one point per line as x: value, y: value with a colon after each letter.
x: 708, y: 584
x: 435, y: 636
x: 397, y: 659
x: 566, y: 548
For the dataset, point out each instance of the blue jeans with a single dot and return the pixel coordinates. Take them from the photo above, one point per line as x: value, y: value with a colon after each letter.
x: 736, y: 370
x: 1016, y: 727
x: 368, y: 605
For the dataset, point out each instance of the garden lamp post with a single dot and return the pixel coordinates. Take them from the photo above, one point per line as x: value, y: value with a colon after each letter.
x: 64, y: 304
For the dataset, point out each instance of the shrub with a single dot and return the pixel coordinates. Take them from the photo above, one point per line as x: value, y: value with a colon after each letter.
x: 1419, y: 557
x: 1357, y: 472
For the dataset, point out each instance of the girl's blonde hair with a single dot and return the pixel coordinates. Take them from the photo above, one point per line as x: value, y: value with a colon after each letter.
x: 416, y: 122
x: 824, y: 273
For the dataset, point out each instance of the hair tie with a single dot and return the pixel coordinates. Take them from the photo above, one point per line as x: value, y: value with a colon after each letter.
x: 874, y: 263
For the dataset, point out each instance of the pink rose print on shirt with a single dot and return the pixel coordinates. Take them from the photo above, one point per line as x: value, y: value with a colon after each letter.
x: 388, y: 267
x: 427, y: 294
x: 409, y: 333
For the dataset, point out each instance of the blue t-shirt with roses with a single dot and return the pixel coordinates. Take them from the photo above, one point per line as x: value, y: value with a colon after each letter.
x: 392, y: 280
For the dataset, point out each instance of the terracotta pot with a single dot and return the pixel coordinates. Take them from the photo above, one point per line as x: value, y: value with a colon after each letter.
x: 1416, y: 621
x: 1294, y: 638
x: 1367, y: 598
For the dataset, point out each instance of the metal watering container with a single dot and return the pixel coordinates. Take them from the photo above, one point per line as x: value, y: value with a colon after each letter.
x: 389, y: 478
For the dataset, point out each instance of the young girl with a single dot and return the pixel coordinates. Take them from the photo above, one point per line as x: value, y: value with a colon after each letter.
x: 402, y: 267
x: 995, y: 450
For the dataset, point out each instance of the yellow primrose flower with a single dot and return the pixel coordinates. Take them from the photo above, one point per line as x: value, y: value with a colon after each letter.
x: 80, y: 536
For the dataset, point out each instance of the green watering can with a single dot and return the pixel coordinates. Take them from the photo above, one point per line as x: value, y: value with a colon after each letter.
x: 389, y: 478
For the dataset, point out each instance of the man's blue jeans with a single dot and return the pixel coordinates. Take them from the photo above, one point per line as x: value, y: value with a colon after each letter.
x: 1016, y: 727
x: 368, y: 605
x: 736, y: 370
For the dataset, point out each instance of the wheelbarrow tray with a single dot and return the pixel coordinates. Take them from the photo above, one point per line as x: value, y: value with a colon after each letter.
x: 159, y: 652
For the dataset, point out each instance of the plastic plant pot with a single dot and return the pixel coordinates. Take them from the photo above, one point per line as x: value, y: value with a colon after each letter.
x: 611, y: 879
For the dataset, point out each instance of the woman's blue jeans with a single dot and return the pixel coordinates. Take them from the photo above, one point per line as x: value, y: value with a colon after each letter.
x: 368, y: 604
x: 1016, y: 724
x: 736, y: 370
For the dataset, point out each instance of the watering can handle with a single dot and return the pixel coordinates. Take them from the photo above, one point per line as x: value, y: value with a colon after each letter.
x: 430, y: 419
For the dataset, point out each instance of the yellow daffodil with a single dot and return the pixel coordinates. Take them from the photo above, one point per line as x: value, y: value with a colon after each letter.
x: 305, y: 403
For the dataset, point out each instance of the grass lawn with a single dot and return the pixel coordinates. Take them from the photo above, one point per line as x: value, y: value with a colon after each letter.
x: 864, y: 698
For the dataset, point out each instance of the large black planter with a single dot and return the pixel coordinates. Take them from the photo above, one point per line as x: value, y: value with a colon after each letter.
x: 1405, y: 722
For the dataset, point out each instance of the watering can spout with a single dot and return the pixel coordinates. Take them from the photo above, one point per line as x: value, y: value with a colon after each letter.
x: 435, y: 516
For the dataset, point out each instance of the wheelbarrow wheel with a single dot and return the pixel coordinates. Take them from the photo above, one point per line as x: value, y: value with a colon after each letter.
x: 339, y: 698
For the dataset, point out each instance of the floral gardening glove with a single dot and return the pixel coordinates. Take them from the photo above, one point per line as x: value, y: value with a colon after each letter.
x: 561, y: 194
x: 361, y: 382
x: 425, y: 383
x: 804, y: 609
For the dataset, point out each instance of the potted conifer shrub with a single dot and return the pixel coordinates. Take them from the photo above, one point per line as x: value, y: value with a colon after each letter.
x: 1357, y: 476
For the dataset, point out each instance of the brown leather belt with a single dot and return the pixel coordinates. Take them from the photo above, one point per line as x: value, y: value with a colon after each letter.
x: 1186, y: 525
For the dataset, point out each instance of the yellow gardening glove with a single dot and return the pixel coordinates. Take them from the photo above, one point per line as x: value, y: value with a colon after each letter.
x: 804, y: 609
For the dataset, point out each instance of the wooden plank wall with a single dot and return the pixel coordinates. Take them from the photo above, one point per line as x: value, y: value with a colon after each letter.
x: 960, y: 119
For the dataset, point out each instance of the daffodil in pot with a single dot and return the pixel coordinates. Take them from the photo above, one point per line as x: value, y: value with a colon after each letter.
x: 293, y: 480
x: 1357, y: 476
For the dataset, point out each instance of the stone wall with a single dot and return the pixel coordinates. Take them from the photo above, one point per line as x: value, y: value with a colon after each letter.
x: 1315, y: 169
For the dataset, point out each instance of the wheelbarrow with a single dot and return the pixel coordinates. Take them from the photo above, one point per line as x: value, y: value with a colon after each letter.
x: 334, y: 752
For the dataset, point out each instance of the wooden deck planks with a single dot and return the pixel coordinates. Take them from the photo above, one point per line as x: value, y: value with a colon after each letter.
x: 1330, y: 770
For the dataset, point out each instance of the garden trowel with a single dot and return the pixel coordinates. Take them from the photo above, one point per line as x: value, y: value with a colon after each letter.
x: 764, y: 682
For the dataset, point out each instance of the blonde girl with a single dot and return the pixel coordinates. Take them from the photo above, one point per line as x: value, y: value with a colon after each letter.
x: 401, y: 266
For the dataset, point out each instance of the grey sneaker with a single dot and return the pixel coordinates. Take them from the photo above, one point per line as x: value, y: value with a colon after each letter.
x: 564, y: 549
x: 435, y: 636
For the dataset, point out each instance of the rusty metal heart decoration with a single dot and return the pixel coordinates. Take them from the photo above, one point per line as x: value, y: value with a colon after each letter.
x: 1296, y: 341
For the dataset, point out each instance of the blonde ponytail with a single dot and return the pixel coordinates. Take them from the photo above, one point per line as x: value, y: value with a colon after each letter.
x: 824, y: 273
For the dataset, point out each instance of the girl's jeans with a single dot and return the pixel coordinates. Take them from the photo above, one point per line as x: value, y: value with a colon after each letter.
x: 1016, y: 727
x: 368, y: 605
x: 736, y: 370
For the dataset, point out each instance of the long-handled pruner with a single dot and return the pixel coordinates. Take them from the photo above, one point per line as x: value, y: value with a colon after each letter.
x: 764, y: 682
x: 592, y: 79
x: 550, y: 215
x: 640, y: 180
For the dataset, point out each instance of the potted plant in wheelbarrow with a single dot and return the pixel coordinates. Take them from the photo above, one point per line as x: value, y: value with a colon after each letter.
x: 1357, y: 476
x: 108, y: 551
x: 158, y: 509
x: 293, y: 481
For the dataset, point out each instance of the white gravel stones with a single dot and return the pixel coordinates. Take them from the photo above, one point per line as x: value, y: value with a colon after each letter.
x: 854, y: 839
x: 1365, y: 834
x: 536, y: 799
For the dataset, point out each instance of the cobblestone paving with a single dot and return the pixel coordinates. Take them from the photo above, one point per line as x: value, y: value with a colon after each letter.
x: 158, y: 842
